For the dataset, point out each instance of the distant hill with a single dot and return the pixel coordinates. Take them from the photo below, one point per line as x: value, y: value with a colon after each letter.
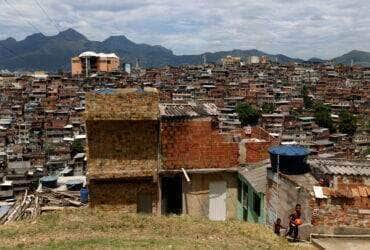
x: 52, y: 53
x: 315, y: 60
x: 359, y: 58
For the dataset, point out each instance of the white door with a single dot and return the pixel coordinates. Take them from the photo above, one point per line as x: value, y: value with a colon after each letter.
x: 217, y: 200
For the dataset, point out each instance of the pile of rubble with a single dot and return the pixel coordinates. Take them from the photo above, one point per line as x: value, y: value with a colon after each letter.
x: 32, y: 205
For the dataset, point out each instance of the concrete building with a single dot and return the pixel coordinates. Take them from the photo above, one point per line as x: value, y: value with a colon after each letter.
x: 253, y: 60
x: 91, y: 62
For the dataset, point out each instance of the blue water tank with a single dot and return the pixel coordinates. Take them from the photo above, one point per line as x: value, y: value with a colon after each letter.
x: 49, y: 181
x: 74, y: 185
x: 84, y: 195
x: 291, y: 159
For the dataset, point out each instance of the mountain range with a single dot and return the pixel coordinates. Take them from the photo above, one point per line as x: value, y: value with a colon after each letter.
x: 52, y: 53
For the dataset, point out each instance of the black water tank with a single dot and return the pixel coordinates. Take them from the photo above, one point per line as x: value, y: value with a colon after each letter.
x: 292, y: 159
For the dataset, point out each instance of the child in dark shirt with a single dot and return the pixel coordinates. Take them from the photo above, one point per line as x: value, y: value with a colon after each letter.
x: 294, y: 221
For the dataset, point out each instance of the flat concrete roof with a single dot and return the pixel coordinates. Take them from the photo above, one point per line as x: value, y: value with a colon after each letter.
x: 342, y: 243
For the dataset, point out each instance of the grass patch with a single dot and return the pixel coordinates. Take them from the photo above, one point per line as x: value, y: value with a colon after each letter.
x: 92, y: 229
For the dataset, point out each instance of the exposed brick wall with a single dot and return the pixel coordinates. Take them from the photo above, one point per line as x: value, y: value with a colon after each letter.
x: 348, y: 204
x: 341, y: 212
x: 122, y: 131
x: 123, y: 195
x: 195, y: 144
x: 122, y: 148
x: 256, y: 151
x: 123, y: 104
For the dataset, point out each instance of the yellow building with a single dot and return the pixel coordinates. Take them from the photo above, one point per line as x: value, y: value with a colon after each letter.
x: 231, y: 61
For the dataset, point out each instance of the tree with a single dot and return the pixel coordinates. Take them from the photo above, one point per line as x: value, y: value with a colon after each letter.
x: 268, y: 108
x: 247, y: 114
x: 322, y: 116
x: 307, y: 101
x: 76, y: 147
x: 347, y: 122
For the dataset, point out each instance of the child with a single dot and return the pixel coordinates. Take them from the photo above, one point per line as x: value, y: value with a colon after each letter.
x: 294, y: 221
x: 278, y: 226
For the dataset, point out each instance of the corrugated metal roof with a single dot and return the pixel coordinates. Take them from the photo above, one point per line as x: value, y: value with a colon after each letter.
x: 256, y: 177
x: 187, y: 110
x: 341, y: 167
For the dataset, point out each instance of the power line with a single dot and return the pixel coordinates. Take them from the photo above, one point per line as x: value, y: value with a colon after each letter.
x: 47, y: 15
x: 52, y: 20
x: 20, y: 14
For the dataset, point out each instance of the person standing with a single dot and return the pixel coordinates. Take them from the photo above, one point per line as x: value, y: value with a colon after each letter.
x: 294, y: 221
x: 278, y: 227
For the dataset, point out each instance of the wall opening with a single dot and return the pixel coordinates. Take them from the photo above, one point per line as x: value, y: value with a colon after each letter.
x: 172, y: 194
x: 144, y: 203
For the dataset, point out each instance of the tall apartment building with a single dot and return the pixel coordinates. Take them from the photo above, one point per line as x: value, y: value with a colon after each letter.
x: 91, y: 62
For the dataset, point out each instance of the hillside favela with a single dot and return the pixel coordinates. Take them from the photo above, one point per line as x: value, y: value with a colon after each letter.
x: 184, y: 124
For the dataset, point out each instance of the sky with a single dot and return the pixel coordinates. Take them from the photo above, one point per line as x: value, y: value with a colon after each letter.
x: 297, y: 28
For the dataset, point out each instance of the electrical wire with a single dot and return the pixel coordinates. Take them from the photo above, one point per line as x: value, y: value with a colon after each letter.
x: 21, y: 15
x: 43, y: 9
x: 47, y: 15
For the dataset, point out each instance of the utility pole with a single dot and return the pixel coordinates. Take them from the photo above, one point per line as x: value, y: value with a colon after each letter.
x: 86, y: 68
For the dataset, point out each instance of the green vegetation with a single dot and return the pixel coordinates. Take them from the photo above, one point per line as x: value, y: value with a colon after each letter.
x: 307, y: 101
x: 76, y: 147
x: 322, y: 116
x: 268, y: 108
x: 91, y: 229
x: 347, y: 122
x: 248, y: 115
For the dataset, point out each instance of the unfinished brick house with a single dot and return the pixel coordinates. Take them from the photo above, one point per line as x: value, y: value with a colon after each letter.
x: 122, y: 130
x: 342, y: 200
x: 164, y: 158
x: 198, y: 174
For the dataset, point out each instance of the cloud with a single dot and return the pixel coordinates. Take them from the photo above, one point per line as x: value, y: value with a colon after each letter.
x: 316, y: 28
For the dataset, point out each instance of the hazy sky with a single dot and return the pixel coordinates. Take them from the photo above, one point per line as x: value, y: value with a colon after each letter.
x: 298, y: 28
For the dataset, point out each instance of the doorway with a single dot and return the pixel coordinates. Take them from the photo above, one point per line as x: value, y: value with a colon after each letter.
x: 217, y: 200
x: 172, y: 194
